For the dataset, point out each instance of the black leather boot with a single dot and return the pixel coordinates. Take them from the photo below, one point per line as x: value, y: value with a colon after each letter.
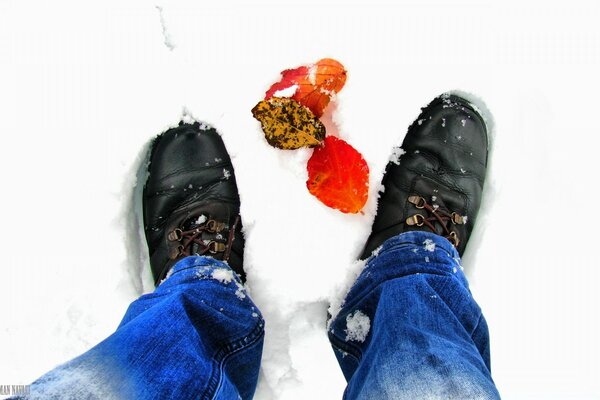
x: 436, y: 185
x: 191, y: 202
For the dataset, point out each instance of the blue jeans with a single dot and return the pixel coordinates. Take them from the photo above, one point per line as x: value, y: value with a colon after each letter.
x: 408, y: 329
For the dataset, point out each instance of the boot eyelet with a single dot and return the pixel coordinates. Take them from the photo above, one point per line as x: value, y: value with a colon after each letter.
x: 176, y: 252
x: 215, y: 247
x: 457, y: 219
x: 215, y: 226
x: 418, y: 201
x: 416, y: 219
x: 453, y: 238
x: 175, y: 235
x: 210, y: 225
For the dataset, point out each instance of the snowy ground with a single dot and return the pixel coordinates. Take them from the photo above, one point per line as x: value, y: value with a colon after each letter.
x: 84, y: 87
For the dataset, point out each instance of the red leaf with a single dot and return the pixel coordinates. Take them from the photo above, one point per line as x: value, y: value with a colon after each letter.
x: 338, y: 176
x: 289, y: 78
x: 315, y: 85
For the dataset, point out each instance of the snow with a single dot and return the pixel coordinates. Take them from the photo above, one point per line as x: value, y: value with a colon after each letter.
x: 429, y: 245
x: 375, y: 252
x: 396, y: 154
x: 240, y: 293
x: 222, y: 275
x: 85, y: 86
x: 226, y: 276
x: 168, y: 41
x: 287, y: 92
x: 358, y: 326
x: 312, y: 74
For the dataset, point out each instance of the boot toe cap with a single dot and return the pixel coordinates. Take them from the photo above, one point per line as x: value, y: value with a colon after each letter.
x: 451, y: 135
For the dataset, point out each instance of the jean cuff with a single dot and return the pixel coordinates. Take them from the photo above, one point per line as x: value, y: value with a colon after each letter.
x: 426, y: 241
x: 414, y: 252
x: 200, y: 267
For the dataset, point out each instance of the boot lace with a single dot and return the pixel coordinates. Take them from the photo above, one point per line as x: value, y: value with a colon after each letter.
x: 190, y: 241
x: 436, y: 215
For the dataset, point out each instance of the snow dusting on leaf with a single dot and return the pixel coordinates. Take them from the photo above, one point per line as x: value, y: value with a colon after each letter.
x: 315, y: 85
x: 287, y: 92
x: 289, y: 79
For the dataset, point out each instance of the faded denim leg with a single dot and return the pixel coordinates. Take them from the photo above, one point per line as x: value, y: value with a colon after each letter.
x: 197, y: 336
x: 410, y: 328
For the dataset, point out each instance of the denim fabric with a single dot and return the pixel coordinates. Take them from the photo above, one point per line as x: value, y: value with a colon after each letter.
x: 409, y: 327
x: 197, y: 336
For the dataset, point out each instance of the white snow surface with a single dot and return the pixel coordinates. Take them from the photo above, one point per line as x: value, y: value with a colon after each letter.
x: 86, y: 85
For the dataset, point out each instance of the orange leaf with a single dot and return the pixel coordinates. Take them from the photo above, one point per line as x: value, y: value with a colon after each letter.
x: 315, y: 85
x: 338, y: 176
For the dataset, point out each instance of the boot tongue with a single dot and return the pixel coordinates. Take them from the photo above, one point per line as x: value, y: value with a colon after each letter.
x: 193, y: 217
x: 438, y: 195
x: 436, y: 201
x: 195, y: 221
